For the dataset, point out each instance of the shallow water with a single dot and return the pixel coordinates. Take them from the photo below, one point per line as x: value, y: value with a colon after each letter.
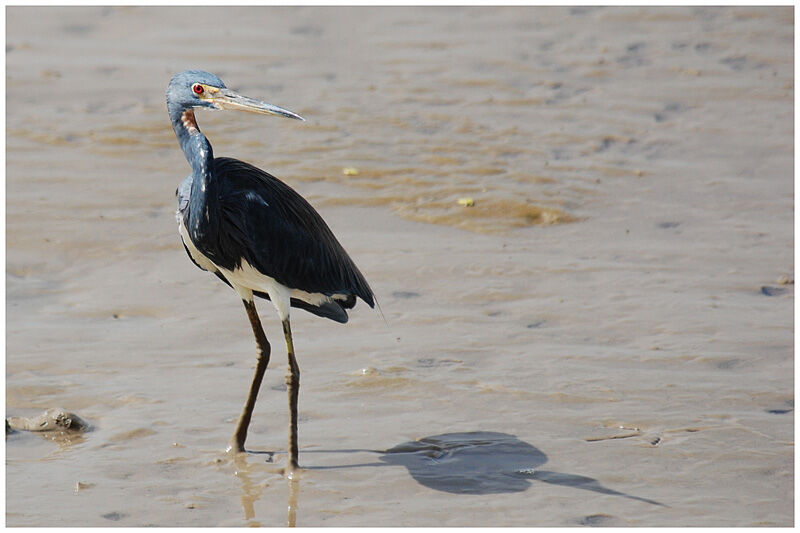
x: 601, y: 339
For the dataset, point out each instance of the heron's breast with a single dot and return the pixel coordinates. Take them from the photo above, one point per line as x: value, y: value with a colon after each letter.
x: 202, y: 261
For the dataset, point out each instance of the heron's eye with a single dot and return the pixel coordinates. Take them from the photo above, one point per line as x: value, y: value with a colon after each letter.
x: 197, y: 88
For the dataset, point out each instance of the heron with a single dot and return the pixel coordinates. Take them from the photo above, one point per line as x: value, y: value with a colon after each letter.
x: 257, y: 235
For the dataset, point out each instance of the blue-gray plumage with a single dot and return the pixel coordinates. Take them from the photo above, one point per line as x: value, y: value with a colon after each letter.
x: 256, y: 234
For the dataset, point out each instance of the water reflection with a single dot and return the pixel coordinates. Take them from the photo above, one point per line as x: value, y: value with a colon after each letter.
x: 291, y: 510
x: 252, y: 491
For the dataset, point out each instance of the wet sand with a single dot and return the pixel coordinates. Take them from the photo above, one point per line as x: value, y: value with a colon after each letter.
x: 601, y: 339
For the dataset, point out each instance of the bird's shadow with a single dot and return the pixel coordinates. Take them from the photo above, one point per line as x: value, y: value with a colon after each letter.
x: 482, y: 462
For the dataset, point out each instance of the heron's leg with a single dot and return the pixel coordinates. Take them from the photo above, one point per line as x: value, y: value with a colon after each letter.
x: 237, y: 441
x: 293, y: 386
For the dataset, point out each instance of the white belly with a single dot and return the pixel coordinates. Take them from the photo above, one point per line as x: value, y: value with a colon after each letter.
x: 245, y: 279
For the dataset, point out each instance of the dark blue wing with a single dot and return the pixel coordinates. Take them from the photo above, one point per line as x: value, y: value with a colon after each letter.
x: 265, y: 222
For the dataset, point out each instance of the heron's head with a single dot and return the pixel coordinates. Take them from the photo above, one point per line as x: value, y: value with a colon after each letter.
x: 196, y: 88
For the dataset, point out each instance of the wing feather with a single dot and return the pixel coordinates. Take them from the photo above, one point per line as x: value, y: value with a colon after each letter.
x: 272, y: 227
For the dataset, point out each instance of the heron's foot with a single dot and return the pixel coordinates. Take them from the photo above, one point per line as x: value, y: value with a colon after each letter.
x: 292, y: 471
x: 234, y: 447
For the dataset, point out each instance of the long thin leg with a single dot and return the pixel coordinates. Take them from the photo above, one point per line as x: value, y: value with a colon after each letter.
x: 262, y: 344
x: 293, y: 386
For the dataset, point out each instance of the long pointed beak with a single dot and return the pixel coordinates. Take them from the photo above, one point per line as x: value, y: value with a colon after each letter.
x: 227, y: 99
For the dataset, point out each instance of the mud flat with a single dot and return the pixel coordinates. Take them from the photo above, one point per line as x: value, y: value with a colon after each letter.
x: 578, y: 223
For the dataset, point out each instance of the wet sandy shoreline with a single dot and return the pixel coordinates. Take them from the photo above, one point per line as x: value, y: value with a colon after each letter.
x: 625, y: 367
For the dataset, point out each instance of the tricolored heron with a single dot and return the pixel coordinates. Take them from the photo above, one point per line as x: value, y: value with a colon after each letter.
x: 257, y: 235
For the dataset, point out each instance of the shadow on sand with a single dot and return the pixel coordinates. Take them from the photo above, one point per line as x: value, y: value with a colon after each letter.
x: 482, y: 462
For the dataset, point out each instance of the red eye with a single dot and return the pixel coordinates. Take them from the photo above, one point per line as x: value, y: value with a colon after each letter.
x: 197, y: 88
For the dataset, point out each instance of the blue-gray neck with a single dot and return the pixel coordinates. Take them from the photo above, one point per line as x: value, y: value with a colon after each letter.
x: 203, y: 194
x: 194, y: 144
